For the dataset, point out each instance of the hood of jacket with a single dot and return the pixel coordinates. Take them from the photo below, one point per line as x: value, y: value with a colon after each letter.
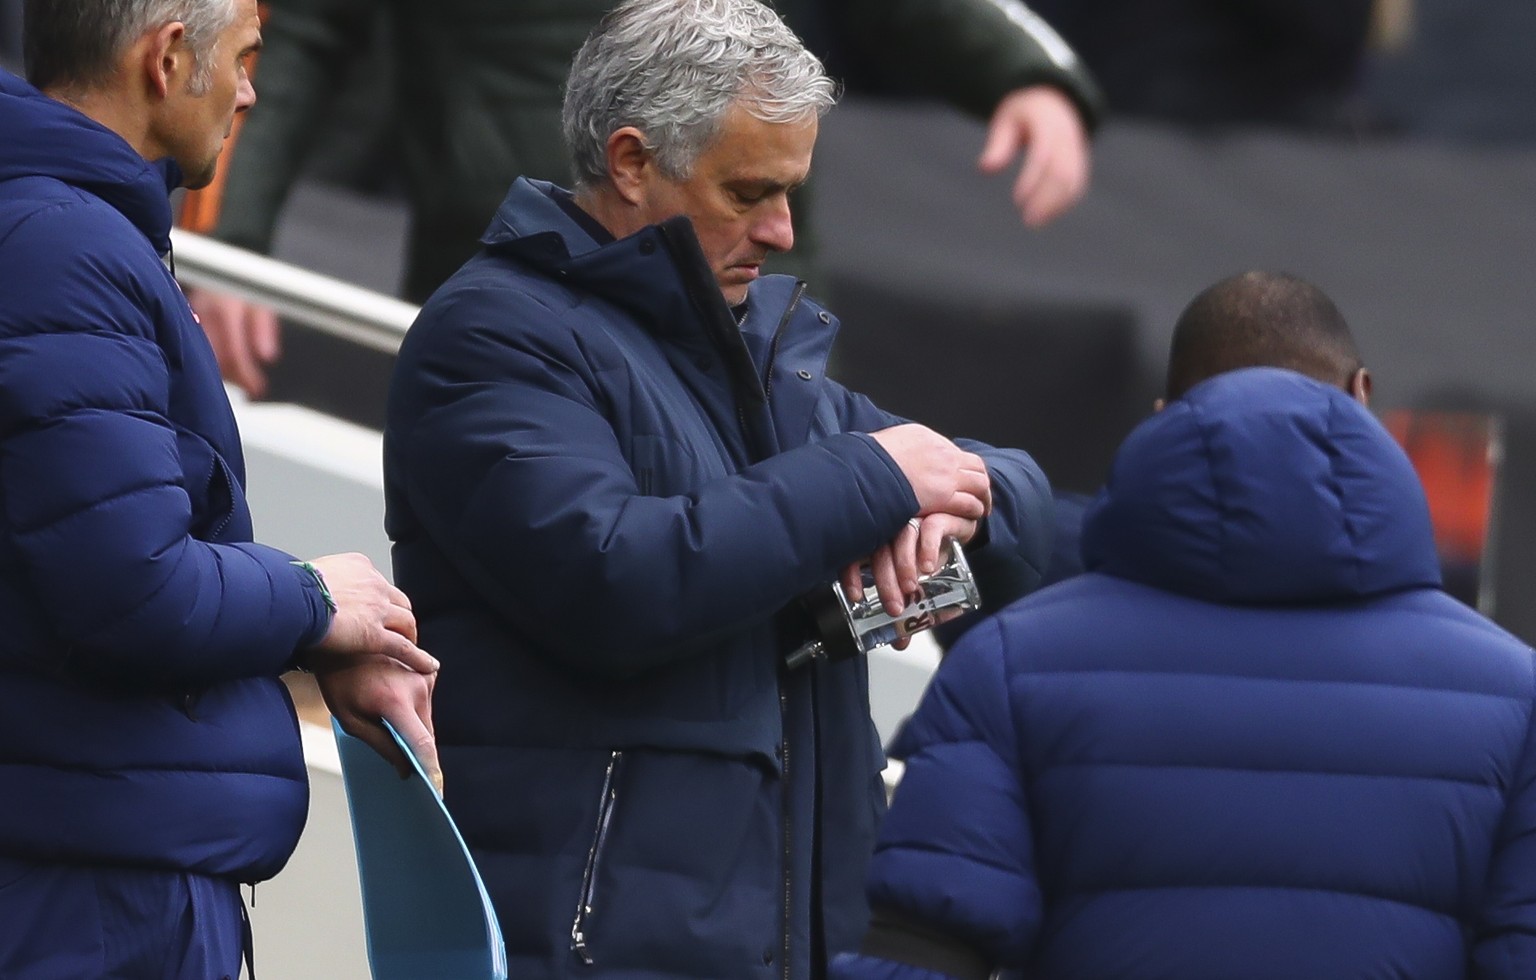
x: 1263, y: 486
x: 47, y: 138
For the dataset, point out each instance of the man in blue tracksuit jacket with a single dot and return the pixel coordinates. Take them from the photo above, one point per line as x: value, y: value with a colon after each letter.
x: 1254, y: 740
x: 613, y: 462
x: 149, y: 756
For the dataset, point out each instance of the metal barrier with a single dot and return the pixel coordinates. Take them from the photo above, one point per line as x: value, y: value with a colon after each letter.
x: 359, y: 315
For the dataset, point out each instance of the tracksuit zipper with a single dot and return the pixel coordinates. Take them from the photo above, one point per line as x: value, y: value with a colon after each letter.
x: 773, y: 354
x: 580, y: 935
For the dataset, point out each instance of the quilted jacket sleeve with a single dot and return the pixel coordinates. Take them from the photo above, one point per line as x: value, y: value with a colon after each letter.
x: 93, y: 507
x: 1505, y: 942
x: 955, y: 852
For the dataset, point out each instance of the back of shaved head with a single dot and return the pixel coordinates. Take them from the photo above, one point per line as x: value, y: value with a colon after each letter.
x: 1261, y: 319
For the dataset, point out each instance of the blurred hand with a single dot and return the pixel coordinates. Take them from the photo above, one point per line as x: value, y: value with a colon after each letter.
x: 245, y: 336
x: 1045, y: 124
x: 912, y: 553
x: 945, y: 478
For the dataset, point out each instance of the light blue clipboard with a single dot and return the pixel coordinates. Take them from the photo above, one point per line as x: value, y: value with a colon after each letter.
x: 425, y: 910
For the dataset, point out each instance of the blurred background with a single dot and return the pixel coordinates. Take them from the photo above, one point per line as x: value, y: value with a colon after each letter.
x: 1389, y: 155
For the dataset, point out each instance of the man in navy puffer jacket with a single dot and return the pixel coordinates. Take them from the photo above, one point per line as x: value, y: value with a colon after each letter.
x: 149, y: 755
x: 613, y: 462
x: 1255, y: 740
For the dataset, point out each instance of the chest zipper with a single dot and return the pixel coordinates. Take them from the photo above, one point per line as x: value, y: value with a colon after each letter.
x: 788, y: 838
x: 778, y: 338
x: 221, y: 472
x: 585, y: 905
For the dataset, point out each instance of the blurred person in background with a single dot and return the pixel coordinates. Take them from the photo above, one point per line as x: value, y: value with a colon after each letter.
x: 477, y: 103
x: 613, y: 461
x: 1293, y: 63
x: 1256, y: 739
x: 150, y: 760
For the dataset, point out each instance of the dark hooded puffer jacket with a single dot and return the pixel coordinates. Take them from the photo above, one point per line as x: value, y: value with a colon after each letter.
x: 1256, y: 740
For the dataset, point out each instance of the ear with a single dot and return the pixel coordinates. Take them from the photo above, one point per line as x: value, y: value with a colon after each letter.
x: 1360, y: 387
x: 166, y: 59
x: 630, y: 164
x: 1158, y: 404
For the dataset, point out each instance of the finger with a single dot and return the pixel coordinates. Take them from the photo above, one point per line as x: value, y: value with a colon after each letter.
x: 266, y: 334
x: 243, y: 369
x: 979, y: 483
x: 965, y: 505
x: 1048, y: 195
x: 1033, y: 174
x: 1069, y: 182
x: 1003, y: 141
x: 396, y: 596
x: 417, y: 733
x: 887, y: 583
x: 853, y: 582
x: 373, y: 734
x: 412, y: 656
x: 904, y: 551
x: 398, y: 619
x: 929, y: 542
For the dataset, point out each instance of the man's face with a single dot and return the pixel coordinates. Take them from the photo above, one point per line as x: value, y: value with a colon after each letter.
x: 201, y: 122
x: 738, y: 195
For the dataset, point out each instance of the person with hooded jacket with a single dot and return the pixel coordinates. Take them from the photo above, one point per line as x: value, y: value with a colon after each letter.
x: 613, y: 463
x: 1255, y: 739
x: 149, y: 756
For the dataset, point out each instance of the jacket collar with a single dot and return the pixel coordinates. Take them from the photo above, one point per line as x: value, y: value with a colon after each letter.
x: 47, y: 138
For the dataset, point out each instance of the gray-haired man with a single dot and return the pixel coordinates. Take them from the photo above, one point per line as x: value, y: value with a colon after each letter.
x: 613, y: 461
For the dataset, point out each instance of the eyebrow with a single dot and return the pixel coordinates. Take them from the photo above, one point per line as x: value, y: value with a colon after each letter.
x: 765, y: 185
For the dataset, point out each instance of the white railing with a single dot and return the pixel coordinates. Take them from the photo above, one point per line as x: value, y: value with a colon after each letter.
x: 336, y: 307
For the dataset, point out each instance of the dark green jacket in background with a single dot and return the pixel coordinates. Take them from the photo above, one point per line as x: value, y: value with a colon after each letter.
x: 474, y: 88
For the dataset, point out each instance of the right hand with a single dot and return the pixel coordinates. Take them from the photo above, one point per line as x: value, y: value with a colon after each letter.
x: 372, y: 616
x: 945, y: 478
x: 246, y: 337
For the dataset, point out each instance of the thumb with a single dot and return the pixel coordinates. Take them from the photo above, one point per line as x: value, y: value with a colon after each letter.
x: 1003, y: 142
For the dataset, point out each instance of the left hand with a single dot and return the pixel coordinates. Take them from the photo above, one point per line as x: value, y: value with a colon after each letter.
x: 1045, y: 124
x: 360, y: 689
x: 913, y: 552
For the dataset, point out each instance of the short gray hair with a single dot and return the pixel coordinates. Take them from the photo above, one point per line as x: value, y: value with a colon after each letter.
x: 76, y: 43
x: 673, y: 68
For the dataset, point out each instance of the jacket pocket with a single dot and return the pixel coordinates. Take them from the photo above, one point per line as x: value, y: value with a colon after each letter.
x: 586, y: 903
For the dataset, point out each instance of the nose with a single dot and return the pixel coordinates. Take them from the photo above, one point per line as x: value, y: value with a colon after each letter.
x: 775, y: 228
x: 245, y: 95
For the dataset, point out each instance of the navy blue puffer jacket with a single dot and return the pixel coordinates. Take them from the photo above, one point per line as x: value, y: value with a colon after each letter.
x: 1255, y: 741
x: 141, y: 719
x: 603, y: 494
